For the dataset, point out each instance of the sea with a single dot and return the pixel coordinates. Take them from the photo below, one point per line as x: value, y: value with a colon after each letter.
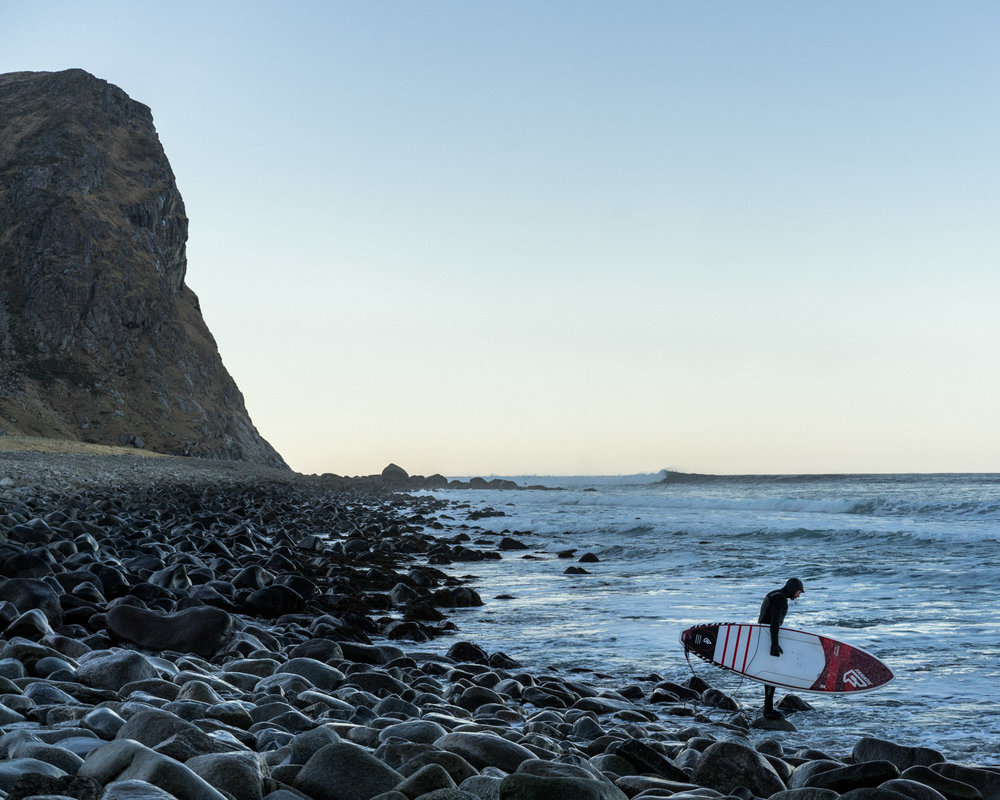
x: 906, y: 567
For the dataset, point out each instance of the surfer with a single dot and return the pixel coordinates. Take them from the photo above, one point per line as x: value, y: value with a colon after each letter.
x: 772, y: 613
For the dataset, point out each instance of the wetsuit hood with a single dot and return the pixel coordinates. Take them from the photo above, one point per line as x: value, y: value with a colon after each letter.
x: 792, y: 585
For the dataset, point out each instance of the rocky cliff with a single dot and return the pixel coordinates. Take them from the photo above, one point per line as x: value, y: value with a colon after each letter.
x: 100, y: 338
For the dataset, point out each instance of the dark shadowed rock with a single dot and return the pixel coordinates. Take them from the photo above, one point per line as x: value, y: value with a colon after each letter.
x: 485, y: 750
x: 113, y: 669
x: 867, y: 774
x: 648, y: 760
x: 986, y: 781
x: 32, y: 593
x: 536, y: 787
x: 913, y: 789
x: 951, y: 788
x: 203, y: 630
x: 395, y: 474
x: 871, y: 749
x: 726, y: 766
x: 343, y: 771
x: 126, y: 760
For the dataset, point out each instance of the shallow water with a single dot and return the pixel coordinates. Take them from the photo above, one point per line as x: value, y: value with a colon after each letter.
x: 906, y: 567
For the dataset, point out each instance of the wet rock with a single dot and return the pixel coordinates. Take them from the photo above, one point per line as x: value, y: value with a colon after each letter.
x: 871, y: 749
x: 43, y: 787
x: 867, y: 774
x: 344, y: 771
x: 134, y: 790
x: 535, y: 787
x: 426, y: 779
x: 772, y: 724
x: 31, y: 593
x: 485, y: 750
x: 127, y: 760
x: 725, y: 766
x: 986, y: 781
x: 871, y: 793
x: 113, y: 669
x: 646, y: 759
x: 949, y: 787
x: 913, y: 789
x: 240, y: 774
x: 804, y: 773
x: 203, y: 630
x: 805, y: 794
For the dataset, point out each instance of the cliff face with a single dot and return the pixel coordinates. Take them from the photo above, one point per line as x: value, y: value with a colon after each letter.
x: 100, y: 339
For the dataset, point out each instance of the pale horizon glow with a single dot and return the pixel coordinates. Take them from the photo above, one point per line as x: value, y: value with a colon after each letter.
x: 580, y: 237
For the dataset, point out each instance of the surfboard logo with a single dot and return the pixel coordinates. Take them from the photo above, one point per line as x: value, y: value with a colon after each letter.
x: 857, y: 679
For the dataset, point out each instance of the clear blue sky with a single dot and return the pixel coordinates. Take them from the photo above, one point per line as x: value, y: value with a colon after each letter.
x: 580, y: 237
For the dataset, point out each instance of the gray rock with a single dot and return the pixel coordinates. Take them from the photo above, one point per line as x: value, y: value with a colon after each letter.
x: 647, y: 759
x: 805, y: 794
x: 609, y: 762
x: 866, y: 775
x: 535, y: 787
x: 240, y: 774
x: 13, y: 769
x: 203, y: 630
x: 305, y: 745
x: 9, y: 716
x: 914, y: 789
x: 125, y: 760
x: 57, y: 756
x: 152, y: 727
x: 485, y: 750
x: 459, y: 769
x: 726, y: 766
x: 113, y: 669
x: 31, y: 593
x: 873, y: 793
x: 804, y: 773
x: 136, y: 790
x: 426, y: 779
x: 871, y: 749
x: 986, y: 781
x: 636, y: 784
x: 343, y: 771
x: 320, y: 675
x: 949, y: 787
x: 102, y: 721
x: 483, y: 787
x: 423, y: 731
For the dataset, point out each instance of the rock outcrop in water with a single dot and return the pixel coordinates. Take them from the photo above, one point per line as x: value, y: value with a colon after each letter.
x: 100, y: 338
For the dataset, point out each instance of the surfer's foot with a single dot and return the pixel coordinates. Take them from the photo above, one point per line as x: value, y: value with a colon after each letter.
x: 773, y: 714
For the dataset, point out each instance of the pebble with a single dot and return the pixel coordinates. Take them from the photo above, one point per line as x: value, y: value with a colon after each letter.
x: 201, y: 636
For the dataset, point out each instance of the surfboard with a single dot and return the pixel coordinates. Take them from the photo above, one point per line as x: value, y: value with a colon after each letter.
x: 808, y: 663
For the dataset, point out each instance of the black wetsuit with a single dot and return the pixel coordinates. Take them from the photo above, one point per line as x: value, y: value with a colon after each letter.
x: 772, y: 613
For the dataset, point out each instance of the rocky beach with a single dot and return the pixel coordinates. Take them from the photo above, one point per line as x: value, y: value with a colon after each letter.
x: 179, y: 628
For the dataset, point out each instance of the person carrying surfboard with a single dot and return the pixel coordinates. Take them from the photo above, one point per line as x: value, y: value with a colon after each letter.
x: 772, y: 613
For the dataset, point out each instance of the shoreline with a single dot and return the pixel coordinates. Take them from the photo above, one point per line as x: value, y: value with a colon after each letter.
x: 306, y: 602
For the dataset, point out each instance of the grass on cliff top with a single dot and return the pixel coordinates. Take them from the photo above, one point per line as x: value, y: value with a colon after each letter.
x: 36, y: 444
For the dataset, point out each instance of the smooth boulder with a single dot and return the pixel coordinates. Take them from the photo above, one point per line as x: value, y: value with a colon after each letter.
x: 726, y: 766
x: 344, y: 771
x: 203, y: 630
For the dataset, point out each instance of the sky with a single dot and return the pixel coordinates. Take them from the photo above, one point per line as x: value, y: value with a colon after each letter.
x: 516, y: 238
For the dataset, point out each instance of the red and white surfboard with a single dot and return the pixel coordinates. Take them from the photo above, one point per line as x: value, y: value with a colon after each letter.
x: 808, y: 663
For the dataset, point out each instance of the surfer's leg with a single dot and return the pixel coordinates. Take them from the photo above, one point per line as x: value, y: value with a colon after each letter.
x: 768, y: 699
